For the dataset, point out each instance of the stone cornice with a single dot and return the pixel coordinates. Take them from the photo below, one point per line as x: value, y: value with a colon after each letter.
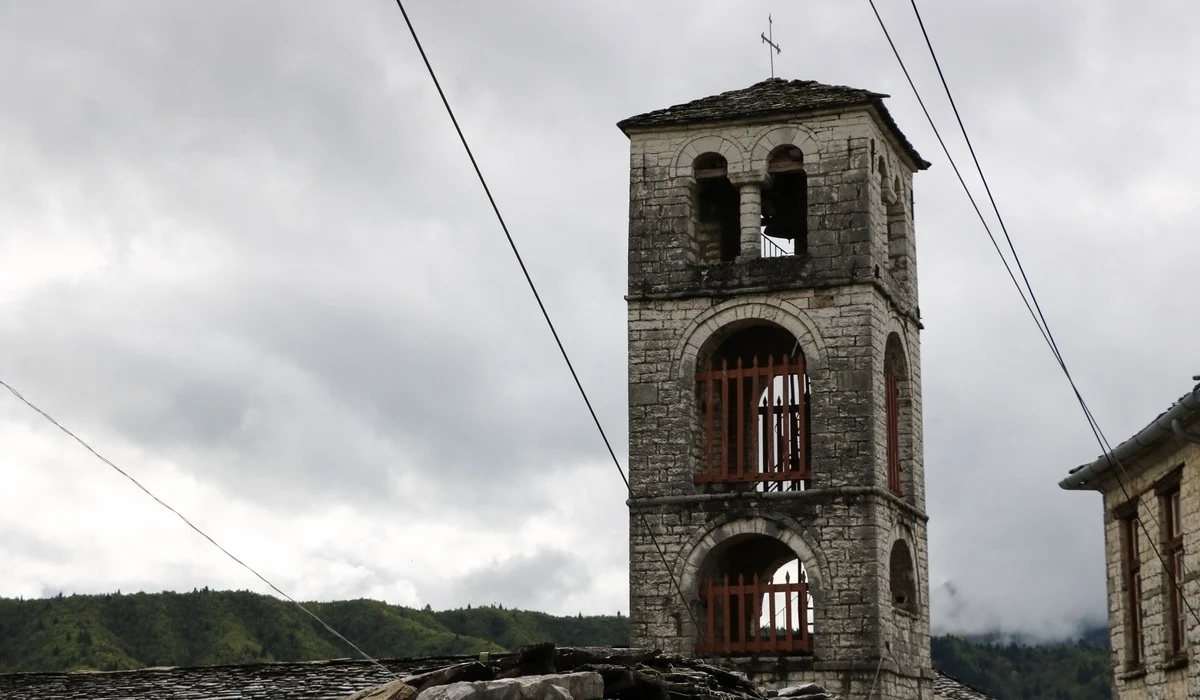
x: 815, y: 496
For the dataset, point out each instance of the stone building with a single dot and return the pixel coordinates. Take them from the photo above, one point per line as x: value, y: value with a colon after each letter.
x: 775, y: 450
x: 1151, y: 489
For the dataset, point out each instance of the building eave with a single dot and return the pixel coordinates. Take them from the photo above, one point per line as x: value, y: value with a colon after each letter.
x: 1086, y: 477
x: 769, y: 101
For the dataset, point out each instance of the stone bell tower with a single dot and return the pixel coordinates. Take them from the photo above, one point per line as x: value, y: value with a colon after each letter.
x: 774, y: 389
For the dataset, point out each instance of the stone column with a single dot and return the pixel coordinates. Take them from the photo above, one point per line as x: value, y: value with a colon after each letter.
x: 751, y: 220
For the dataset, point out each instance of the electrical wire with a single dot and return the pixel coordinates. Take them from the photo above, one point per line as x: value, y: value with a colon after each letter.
x: 954, y: 165
x: 1093, y: 424
x: 192, y: 525
x: 1031, y: 303
x: 542, y: 307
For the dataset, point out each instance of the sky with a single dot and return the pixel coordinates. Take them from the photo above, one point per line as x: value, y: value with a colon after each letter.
x: 244, y: 256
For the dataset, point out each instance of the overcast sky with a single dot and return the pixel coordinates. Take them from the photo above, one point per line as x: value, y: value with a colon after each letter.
x: 243, y: 254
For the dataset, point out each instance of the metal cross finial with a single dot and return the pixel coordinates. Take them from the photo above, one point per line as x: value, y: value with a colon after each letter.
x: 769, y: 40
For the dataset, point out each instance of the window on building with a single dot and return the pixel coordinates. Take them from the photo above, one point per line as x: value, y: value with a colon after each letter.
x: 717, y: 207
x: 754, y: 598
x: 785, y: 201
x: 1131, y: 573
x: 896, y: 239
x: 1172, y: 527
x: 902, y: 577
x: 754, y: 406
x: 897, y: 415
x: 891, y: 382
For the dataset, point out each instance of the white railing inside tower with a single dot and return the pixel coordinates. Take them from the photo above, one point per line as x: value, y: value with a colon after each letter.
x: 775, y: 247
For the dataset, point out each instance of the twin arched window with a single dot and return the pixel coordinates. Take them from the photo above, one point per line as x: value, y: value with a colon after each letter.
x: 717, y: 207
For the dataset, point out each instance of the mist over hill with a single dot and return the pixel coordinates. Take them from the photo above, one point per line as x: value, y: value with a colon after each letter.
x: 957, y: 614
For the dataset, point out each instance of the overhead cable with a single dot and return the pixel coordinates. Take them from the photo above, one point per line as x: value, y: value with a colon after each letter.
x: 192, y: 525
x: 542, y: 307
x: 1031, y: 303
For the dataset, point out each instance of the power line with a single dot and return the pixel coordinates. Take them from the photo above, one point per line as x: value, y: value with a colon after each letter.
x: 1039, y: 317
x: 1031, y: 303
x: 192, y: 525
x: 954, y: 165
x: 1093, y: 424
x: 542, y: 307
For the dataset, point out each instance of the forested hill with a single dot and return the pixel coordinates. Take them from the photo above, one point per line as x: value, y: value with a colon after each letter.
x: 1018, y: 671
x: 111, y: 632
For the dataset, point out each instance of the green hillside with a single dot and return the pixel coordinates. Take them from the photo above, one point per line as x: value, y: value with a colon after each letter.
x: 113, y: 632
x: 1078, y: 671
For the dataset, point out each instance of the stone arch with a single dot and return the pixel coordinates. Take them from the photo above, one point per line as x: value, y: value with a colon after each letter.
x: 886, y: 194
x: 902, y: 576
x: 776, y: 136
x: 898, y: 387
x: 903, y: 534
x: 700, y: 145
x: 895, y: 351
x: 715, y: 211
x: 786, y: 530
x: 894, y: 326
x: 708, y: 325
x: 784, y: 196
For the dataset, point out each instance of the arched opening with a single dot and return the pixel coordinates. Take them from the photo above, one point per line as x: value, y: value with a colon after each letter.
x: 715, y: 210
x: 896, y: 239
x: 902, y: 577
x: 754, y: 400
x: 754, y: 597
x: 897, y: 417
x: 785, y: 204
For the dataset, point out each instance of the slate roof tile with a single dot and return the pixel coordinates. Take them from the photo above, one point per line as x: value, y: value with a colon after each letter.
x: 314, y: 680
x: 774, y: 97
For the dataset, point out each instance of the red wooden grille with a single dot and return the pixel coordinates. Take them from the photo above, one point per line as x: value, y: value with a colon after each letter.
x: 735, y: 616
x: 892, y: 391
x: 755, y: 423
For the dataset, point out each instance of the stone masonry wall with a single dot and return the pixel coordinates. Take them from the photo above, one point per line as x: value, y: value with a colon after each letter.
x: 847, y: 233
x: 842, y: 301
x: 1158, y: 678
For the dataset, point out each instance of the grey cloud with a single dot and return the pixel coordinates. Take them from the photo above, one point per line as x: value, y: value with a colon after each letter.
x: 17, y: 541
x: 304, y: 297
x: 537, y: 581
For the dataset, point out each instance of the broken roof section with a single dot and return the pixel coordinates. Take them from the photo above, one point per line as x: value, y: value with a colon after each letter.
x: 774, y: 97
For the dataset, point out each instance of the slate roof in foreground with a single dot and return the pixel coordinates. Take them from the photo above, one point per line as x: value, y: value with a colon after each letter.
x: 311, y: 680
x: 774, y: 97
x: 947, y: 688
x: 315, y: 680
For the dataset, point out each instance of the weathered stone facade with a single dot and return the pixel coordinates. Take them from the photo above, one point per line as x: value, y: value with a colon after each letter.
x: 849, y: 300
x: 1136, y: 481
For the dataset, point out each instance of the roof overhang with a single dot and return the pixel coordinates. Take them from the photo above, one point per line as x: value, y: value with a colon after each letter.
x: 1184, y: 412
x: 774, y: 100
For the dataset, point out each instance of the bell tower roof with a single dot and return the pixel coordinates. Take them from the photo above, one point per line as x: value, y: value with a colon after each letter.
x: 771, y: 98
